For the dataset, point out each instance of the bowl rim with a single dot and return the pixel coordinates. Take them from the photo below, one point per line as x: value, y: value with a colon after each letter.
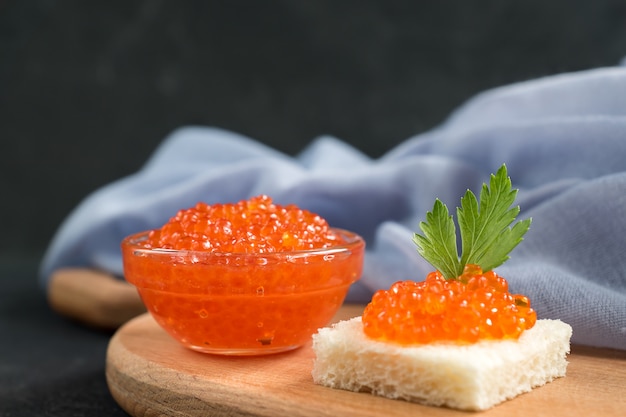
x: 133, y: 241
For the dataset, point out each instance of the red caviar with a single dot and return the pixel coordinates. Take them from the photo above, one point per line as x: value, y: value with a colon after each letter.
x: 251, y: 277
x: 474, y: 307
x: 256, y: 225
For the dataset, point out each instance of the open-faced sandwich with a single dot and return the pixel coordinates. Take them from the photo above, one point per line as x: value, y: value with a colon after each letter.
x: 459, y: 338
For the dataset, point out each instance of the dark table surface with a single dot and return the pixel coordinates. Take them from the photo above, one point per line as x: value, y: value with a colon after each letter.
x: 49, y: 366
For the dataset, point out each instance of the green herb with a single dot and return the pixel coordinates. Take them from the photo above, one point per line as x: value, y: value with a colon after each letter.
x: 486, y: 235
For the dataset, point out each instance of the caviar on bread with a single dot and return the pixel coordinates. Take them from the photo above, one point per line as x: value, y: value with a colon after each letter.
x: 459, y: 338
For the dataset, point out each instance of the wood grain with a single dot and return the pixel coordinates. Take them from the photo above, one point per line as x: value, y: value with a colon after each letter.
x: 149, y: 374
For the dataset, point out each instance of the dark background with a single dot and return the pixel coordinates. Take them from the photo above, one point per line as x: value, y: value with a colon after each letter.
x: 88, y: 89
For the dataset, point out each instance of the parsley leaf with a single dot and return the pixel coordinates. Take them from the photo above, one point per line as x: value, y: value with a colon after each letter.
x: 438, y: 245
x: 487, y: 237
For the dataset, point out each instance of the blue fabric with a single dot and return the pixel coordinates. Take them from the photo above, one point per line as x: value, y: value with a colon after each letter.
x: 562, y: 137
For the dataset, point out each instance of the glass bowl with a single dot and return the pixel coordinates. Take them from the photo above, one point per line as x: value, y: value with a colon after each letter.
x: 241, y: 303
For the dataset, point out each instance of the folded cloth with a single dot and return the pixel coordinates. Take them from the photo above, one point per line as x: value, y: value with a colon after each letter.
x: 563, y: 139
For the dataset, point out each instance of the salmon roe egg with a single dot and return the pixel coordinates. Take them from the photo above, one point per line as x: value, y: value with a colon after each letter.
x: 474, y: 307
x: 257, y: 225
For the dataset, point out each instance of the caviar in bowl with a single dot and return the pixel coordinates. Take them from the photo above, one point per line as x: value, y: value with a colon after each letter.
x: 236, y: 303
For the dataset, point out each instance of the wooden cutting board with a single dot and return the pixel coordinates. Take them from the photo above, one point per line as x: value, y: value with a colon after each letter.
x: 150, y: 374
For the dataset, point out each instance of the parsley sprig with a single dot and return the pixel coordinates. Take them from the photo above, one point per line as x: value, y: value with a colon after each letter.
x: 487, y: 237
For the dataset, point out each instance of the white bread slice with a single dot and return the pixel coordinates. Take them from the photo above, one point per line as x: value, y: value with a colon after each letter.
x: 467, y: 377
